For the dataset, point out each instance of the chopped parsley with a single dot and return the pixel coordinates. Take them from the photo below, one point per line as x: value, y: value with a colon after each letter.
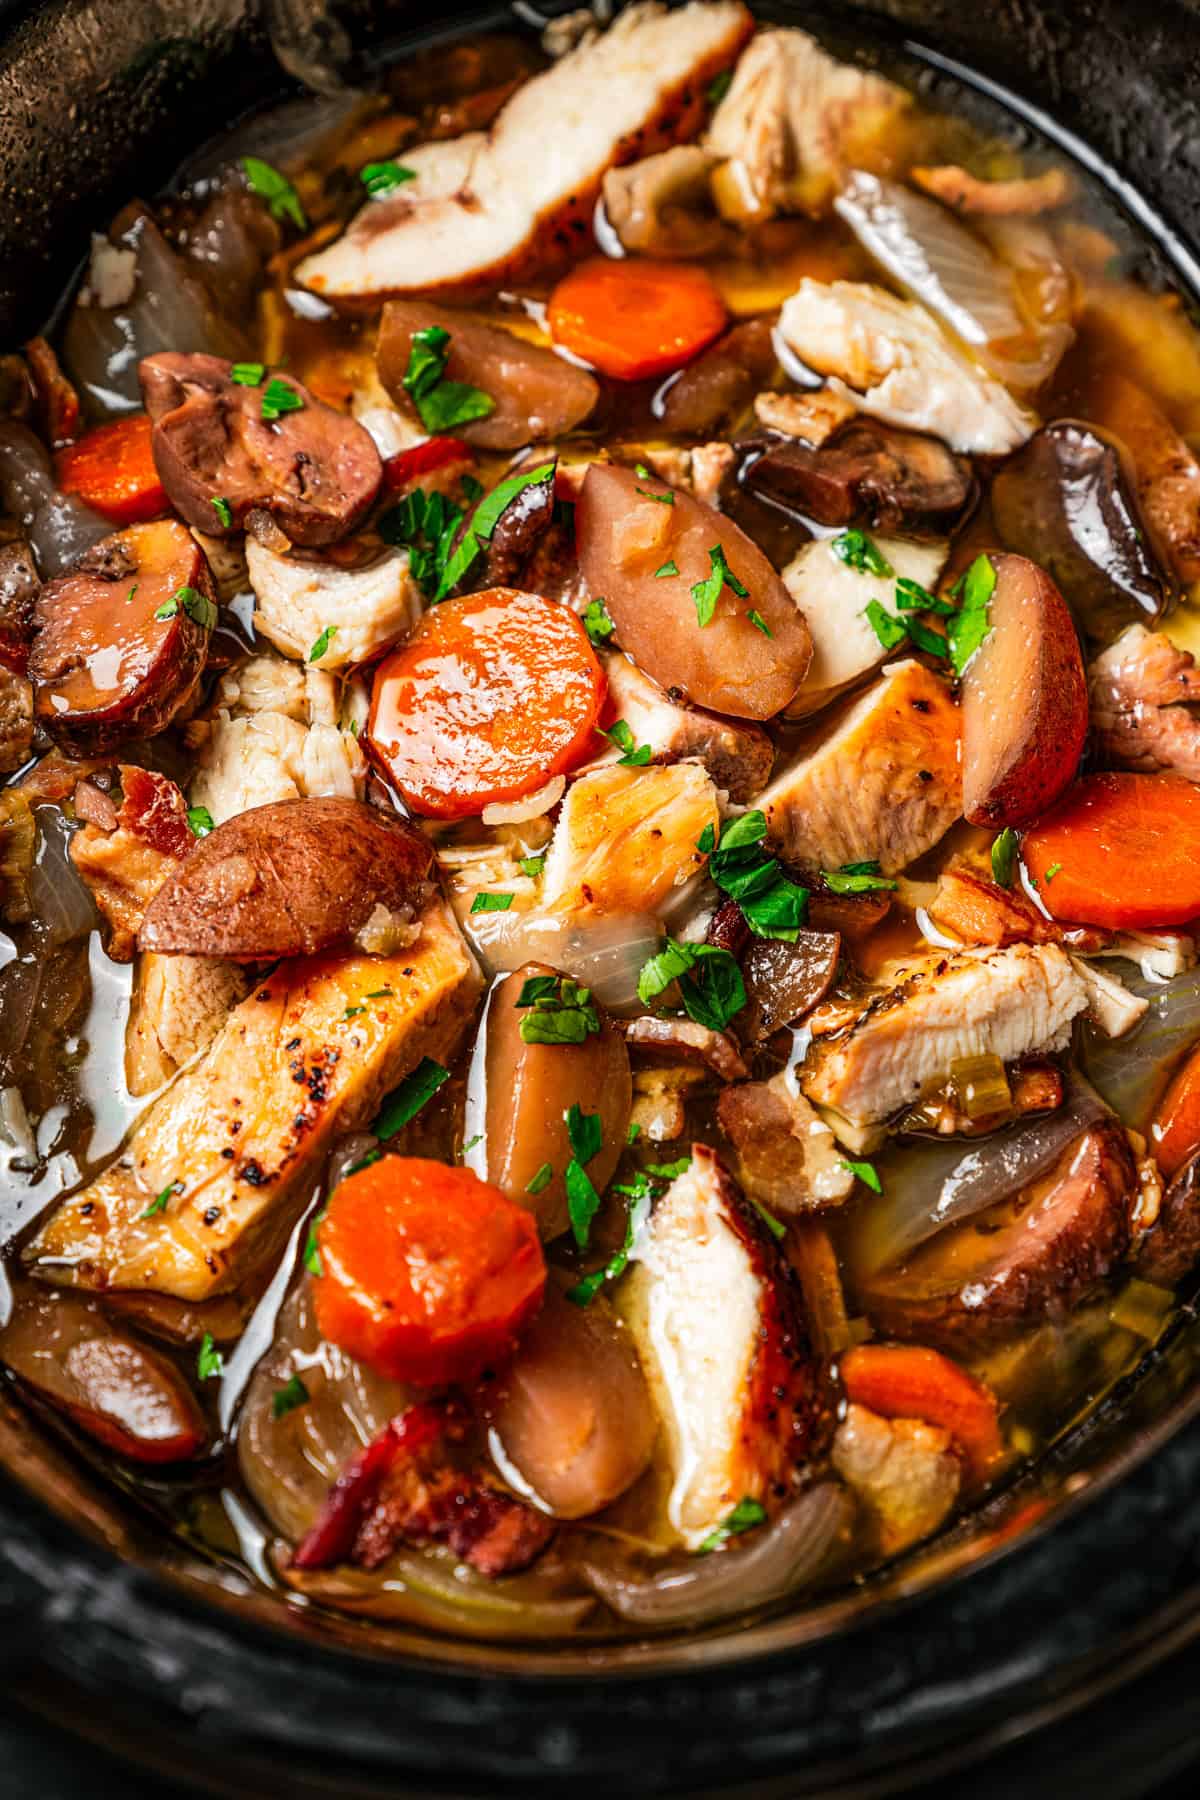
x: 558, y: 1011
x: 210, y: 1362
x: 321, y: 644
x: 966, y: 630
x: 634, y: 756
x: 772, y: 904
x: 710, y: 981
x: 383, y: 993
x: 483, y: 523
x: 352, y: 1012
x: 669, y: 1171
x: 856, y: 878
x: 1004, y: 857
x: 912, y: 597
x: 406, y: 1101
x: 745, y: 1516
x: 924, y: 638
x: 585, y: 1132
x: 775, y: 1226
x: 426, y: 525
x: 889, y: 630
x: 633, y: 1134
x: 667, y: 499
x: 706, y: 593
x: 283, y: 202
x: 541, y: 1180
x: 586, y: 1135
x: 1052, y: 871
x: 471, y: 1143
x: 486, y: 903
x: 200, y: 821
x: 247, y: 374
x: 383, y: 178
x: 159, y: 1203
x: 668, y: 568
x: 865, y: 1172
x: 441, y: 403
x: 363, y: 1162
x: 585, y: 1291
x: 597, y: 622
x: 718, y: 87
x: 223, y: 511
x: 532, y: 865
x: 279, y: 398
x: 856, y: 550
x: 312, y: 1250
x: 286, y: 1399
x: 759, y: 623
x: 198, y: 607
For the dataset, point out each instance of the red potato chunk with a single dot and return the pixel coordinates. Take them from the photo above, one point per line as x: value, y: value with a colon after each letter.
x: 1024, y: 701
x: 629, y: 528
x: 122, y: 638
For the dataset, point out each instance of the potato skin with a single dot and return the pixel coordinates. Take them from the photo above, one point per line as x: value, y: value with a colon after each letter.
x: 289, y: 879
x: 624, y: 535
x: 104, y: 667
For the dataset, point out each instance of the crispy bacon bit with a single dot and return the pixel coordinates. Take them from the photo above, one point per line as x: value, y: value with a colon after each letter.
x: 154, y: 809
x: 406, y: 469
x: 977, y: 911
x: 400, y: 1489
x: 126, y: 862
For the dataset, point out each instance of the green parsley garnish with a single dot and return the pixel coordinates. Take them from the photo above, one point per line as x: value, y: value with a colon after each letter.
x: 198, y: 607
x: 312, y: 1252
x: 966, y: 630
x: 223, y: 511
x: 363, y: 1162
x: 718, y: 87
x: 1004, y: 857
x: 865, y: 1172
x: 352, y: 1012
x: 889, y: 630
x: 759, y: 623
x: 775, y: 1226
x: 483, y: 523
x: 159, y: 1203
x: 585, y: 1291
x: 667, y: 499
x: 710, y: 981
x: 486, y: 903
x: 912, y: 597
x: 210, y: 1362
x: 286, y: 1399
x: 633, y: 1134
x: 383, y: 178
x: 856, y: 878
x: 856, y: 550
x: 426, y: 525
x: 706, y: 593
x: 622, y: 736
x: 1052, y: 871
x: 772, y: 904
x: 586, y: 1135
x: 669, y: 1171
x: 668, y: 568
x: 532, y: 865
x: 200, y: 821
x: 744, y: 1517
x: 279, y: 398
x: 282, y: 200
x: 596, y: 621
x: 541, y: 1180
x: 384, y: 993
x: 406, y: 1101
x: 439, y: 402
x: 558, y: 1010
x: 247, y: 374
x: 321, y: 644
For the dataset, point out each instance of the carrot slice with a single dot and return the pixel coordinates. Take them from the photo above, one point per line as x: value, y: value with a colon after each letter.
x: 491, y: 696
x: 1120, y: 851
x: 1175, y: 1128
x: 112, y: 468
x: 427, y: 1273
x: 908, y: 1381
x: 635, y: 319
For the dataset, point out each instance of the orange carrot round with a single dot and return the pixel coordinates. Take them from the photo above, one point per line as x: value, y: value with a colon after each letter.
x: 491, y: 696
x: 1121, y: 851
x: 908, y: 1381
x: 427, y: 1273
x: 112, y: 468
x: 1175, y: 1129
x: 635, y: 319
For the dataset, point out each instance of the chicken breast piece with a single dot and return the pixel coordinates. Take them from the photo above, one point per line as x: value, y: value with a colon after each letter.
x: 1141, y: 690
x: 178, y: 1005
x: 1007, y: 1003
x: 238, y: 1138
x: 834, y: 598
x: 482, y: 204
x: 264, y: 684
x: 626, y: 838
x: 905, y: 1473
x: 893, y: 360
x: 792, y: 121
x: 299, y: 599
x: 881, y: 781
x: 714, y: 1313
x: 259, y: 757
x: 736, y: 753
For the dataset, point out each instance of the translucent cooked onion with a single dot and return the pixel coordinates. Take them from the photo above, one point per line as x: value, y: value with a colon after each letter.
x: 776, y: 1561
x: 1130, y: 1072
x: 604, y: 953
x: 430, y: 1588
x: 929, y: 1187
x: 931, y: 254
x: 60, y: 902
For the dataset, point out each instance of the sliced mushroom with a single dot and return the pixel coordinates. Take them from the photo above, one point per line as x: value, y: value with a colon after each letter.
x: 722, y: 381
x: 784, y: 981
x: 869, y: 474
x: 663, y: 205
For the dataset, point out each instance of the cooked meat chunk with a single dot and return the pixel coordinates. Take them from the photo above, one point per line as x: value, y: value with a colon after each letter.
x: 811, y: 417
x: 239, y: 1136
x: 785, y: 980
x: 881, y: 780
x: 19, y: 587
x: 834, y: 597
x: 721, y: 382
x: 626, y: 838
x: 663, y: 205
x: 177, y: 1006
x: 345, y: 615
x: 895, y: 362
x: 1031, y: 1258
x: 1142, y: 691
x: 905, y: 1472
x: 314, y: 470
x: 793, y: 121
x: 977, y: 911
x: 870, y: 475
x: 1111, y: 1006
x: 688, y: 1041
x: 125, y: 867
x: 736, y: 753
x: 267, y: 683
x: 486, y: 204
x: 16, y: 720
x: 1166, y: 470
x: 1006, y: 1003
x: 258, y: 757
x: 966, y: 193
x: 787, y: 1157
x: 1171, y: 1248
x: 715, y: 1315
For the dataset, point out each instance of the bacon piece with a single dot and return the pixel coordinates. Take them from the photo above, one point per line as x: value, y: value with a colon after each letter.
x: 125, y: 867
x: 977, y: 911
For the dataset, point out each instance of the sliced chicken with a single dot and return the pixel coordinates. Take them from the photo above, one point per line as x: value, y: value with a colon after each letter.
x: 626, y: 838
x: 881, y: 782
x: 255, y: 758
x: 352, y: 613
x: 178, y: 1005
x: 488, y: 203
x: 834, y: 598
x: 893, y: 360
x: 265, y: 684
x: 715, y: 1315
x: 787, y: 1156
x: 905, y: 1472
x: 792, y: 121
x: 737, y: 753
x: 1007, y: 1003
x: 1142, y: 690
x: 242, y: 1133
x: 1111, y: 1006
